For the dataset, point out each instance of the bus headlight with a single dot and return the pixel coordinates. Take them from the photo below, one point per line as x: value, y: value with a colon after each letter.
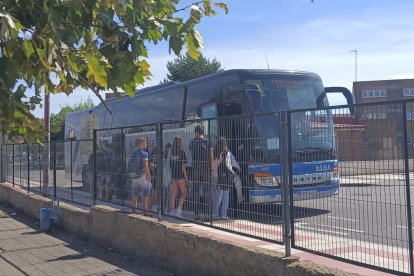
x: 265, y: 179
x: 335, y: 173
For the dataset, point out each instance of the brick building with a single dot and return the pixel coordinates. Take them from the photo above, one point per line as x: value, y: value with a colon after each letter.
x: 383, y: 120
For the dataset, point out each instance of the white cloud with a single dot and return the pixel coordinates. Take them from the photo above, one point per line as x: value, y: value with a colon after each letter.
x: 403, y: 76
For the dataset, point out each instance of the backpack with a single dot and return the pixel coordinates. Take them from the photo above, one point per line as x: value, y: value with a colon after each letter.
x: 135, y: 165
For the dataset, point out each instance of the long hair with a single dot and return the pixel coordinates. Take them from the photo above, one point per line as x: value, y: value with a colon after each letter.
x: 221, y: 147
x: 177, y: 146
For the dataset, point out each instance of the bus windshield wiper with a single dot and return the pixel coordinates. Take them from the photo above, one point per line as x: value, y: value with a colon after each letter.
x: 314, y: 150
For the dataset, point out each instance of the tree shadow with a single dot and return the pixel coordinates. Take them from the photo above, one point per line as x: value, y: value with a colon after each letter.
x: 138, y: 264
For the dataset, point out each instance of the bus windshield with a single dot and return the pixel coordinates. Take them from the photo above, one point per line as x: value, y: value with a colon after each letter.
x: 310, y: 131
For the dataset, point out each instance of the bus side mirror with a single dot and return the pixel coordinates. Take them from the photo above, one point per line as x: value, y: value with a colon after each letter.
x: 347, y: 94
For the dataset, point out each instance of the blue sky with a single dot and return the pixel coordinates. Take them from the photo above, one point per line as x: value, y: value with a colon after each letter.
x: 301, y: 35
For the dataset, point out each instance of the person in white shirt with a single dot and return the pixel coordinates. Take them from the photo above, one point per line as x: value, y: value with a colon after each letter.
x: 227, y: 176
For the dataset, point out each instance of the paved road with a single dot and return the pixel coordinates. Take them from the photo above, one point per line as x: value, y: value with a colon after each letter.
x: 371, y: 208
x: 26, y: 251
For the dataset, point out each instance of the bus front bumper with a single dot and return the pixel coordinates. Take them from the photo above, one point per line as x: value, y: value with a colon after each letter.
x: 302, y: 193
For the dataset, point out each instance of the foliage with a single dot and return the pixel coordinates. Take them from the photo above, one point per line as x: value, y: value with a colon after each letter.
x: 56, y: 46
x: 57, y: 121
x: 186, y: 68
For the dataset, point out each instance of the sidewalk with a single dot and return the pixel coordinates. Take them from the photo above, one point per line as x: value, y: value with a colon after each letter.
x: 304, y: 256
x: 26, y: 251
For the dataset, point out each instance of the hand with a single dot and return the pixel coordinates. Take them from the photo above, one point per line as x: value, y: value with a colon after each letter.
x: 132, y: 175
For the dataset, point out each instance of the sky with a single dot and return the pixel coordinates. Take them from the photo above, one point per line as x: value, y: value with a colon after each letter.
x: 300, y: 35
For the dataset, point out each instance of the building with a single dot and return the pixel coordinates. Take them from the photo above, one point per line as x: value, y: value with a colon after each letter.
x: 383, y: 119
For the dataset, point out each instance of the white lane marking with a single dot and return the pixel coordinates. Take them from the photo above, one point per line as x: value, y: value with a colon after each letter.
x: 342, y: 228
x: 300, y: 226
x: 343, y: 218
x: 404, y: 227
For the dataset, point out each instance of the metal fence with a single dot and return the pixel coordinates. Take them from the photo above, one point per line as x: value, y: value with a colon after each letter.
x: 23, y: 165
x: 323, y: 180
x: 369, y: 220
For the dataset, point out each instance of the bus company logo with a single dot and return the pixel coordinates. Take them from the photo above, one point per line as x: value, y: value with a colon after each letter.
x: 260, y: 167
x: 323, y: 168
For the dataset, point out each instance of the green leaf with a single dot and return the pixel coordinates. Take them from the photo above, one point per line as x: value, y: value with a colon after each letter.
x: 175, y: 44
x: 96, y: 71
x: 198, y: 40
x: 28, y: 48
x: 191, y: 48
x: 145, y: 68
x: 222, y: 6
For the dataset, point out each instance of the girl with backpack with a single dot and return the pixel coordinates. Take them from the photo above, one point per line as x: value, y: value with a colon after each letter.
x: 227, y: 169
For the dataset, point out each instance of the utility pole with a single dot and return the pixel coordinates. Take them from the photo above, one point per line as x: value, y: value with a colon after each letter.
x: 46, y: 151
x: 356, y: 63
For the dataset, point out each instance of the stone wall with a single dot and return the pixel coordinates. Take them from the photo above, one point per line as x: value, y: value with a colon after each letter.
x: 187, y: 253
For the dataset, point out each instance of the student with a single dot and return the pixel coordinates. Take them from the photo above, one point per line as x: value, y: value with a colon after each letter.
x: 140, y: 173
x: 166, y: 172
x: 104, y: 159
x: 178, y: 162
x: 153, y: 169
x: 202, y: 158
x: 226, y: 178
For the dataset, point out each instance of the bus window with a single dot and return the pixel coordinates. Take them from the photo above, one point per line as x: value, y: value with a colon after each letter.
x: 211, y: 126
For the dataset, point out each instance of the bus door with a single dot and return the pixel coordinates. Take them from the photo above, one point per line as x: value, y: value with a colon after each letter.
x: 231, y: 127
x: 209, y: 113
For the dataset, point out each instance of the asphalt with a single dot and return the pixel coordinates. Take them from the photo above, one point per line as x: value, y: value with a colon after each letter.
x: 26, y: 251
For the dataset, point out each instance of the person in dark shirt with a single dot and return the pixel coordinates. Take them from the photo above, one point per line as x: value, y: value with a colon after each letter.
x: 141, y: 176
x: 104, y: 160
x: 178, y: 162
x: 202, y: 157
x: 152, y: 163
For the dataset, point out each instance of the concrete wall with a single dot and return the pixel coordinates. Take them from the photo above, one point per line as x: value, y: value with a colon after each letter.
x: 187, y: 253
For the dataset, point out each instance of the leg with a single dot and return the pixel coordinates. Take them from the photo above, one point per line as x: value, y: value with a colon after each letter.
x: 134, y: 196
x: 219, y: 199
x: 134, y: 203
x: 166, y: 197
x: 100, y: 183
x: 183, y: 192
x: 173, y: 195
x: 108, y: 182
x: 238, y: 184
x: 146, y: 192
x: 145, y: 202
x: 154, y: 202
x: 196, y: 193
x: 225, y: 204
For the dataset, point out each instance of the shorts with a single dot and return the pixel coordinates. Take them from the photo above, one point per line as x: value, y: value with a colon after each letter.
x: 104, y: 179
x: 140, y: 186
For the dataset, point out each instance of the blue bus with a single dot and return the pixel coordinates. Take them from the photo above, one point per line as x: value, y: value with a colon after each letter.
x: 236, y: 100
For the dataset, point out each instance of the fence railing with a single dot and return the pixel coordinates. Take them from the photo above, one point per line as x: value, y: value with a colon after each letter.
x: 320, y: 180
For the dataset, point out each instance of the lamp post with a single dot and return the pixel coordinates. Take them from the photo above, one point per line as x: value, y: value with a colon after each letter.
x: 356, y: 63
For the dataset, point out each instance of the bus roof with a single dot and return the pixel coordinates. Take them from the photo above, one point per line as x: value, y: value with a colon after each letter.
x: 162, y: 86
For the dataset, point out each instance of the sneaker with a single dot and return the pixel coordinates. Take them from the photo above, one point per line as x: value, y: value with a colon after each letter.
x: 178, y: 214
x: 225, y: 217
x: 240, y: 199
